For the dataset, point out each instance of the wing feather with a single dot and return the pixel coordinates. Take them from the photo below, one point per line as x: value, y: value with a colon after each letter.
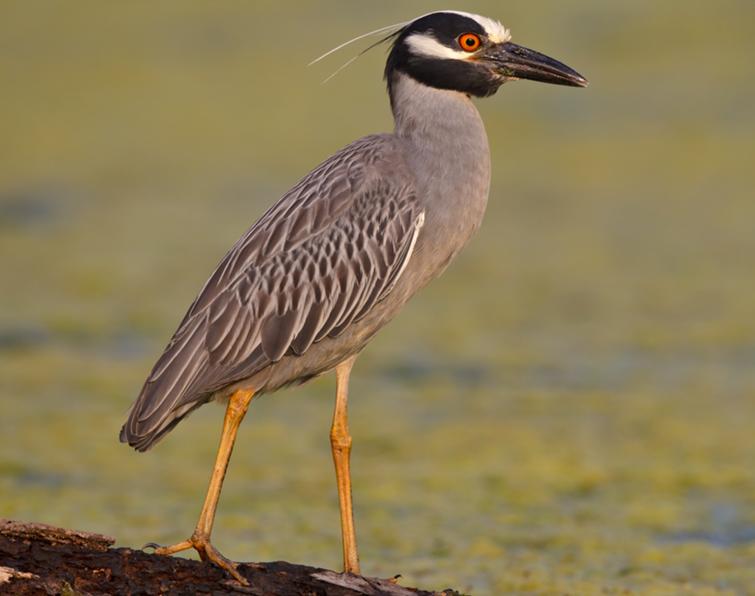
x: 314, y: 264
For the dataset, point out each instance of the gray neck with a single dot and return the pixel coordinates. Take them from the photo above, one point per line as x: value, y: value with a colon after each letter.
x: 447, y: 149
x: 427, y: 116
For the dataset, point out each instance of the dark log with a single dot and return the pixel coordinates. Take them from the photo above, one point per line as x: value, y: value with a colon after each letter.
x: 41, y: 559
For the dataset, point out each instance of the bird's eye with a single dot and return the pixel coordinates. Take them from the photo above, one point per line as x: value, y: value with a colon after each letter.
x: 469, y: 42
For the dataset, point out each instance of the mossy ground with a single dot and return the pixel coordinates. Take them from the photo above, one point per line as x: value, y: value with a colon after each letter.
x: 568, y: 410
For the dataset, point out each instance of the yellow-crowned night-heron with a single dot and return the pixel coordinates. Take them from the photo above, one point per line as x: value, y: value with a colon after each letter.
x: 336, y: 258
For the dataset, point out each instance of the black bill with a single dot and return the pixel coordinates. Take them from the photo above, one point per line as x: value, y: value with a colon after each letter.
x: 517, y: 62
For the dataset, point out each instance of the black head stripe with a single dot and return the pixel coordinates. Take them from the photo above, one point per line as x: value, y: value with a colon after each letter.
x: 444, y: 26
x: 454, y: 75
x: 459, y: 75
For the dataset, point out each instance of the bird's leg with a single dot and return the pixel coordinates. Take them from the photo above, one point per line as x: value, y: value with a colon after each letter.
x: 340, y: 443
x: 200, y: 539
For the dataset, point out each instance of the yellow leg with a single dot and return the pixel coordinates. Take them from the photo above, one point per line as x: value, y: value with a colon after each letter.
x: 340, y: 443
x: 200, y: 539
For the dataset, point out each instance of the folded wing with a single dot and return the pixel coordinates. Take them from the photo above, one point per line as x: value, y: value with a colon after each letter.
x: 315, y: 263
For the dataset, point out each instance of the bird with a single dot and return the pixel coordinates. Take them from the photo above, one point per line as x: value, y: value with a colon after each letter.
x: 308, y: 286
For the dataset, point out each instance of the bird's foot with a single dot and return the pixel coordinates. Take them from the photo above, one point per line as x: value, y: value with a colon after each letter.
x: 207, y: 552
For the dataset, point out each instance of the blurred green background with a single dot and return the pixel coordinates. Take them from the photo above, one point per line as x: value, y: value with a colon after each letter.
x: 568, y: 410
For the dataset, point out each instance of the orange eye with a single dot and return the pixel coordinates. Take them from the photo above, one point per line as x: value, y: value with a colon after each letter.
x: 469, y: 42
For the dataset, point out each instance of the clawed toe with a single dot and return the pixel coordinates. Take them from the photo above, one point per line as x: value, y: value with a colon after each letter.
x: 207, y: 552
x: 172, y: 549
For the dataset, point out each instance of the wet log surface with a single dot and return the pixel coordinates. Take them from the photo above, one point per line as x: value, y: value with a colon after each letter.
x: 41, y: 559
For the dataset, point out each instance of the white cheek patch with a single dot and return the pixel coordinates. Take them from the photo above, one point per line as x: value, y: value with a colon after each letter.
x: 426, y: 45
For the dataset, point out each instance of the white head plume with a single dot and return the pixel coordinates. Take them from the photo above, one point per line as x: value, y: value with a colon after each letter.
x: 494, y: 30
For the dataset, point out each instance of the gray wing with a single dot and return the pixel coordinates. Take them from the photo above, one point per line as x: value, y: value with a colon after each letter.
x: 315, y: 263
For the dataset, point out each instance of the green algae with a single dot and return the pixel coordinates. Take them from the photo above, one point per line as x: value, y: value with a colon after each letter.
x: 568, y: 410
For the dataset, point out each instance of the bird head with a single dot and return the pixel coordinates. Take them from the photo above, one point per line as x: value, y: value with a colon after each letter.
x: 471, y: 54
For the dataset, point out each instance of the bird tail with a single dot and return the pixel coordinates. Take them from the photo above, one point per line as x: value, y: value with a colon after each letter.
x: 142, y: 440
x: 171, y: 392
